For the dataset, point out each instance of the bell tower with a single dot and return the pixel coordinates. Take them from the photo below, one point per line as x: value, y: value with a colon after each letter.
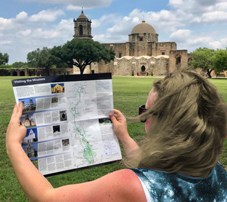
x: 82, y: 27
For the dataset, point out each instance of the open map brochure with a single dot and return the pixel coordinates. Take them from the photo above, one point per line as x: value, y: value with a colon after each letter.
x: 67, y: 121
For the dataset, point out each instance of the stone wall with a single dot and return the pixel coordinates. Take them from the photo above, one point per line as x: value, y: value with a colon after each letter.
x: 178, y: 59
x: 143, y: 65
x: 118, y: 48
x: 35, y: 71
x: 164, y: 48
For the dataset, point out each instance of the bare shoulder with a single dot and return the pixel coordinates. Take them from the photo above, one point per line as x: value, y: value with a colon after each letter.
x: 121, y: 185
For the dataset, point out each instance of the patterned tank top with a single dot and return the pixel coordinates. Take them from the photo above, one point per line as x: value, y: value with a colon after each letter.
x: 161, y: 186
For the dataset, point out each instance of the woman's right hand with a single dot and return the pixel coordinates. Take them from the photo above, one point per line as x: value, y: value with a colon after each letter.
x: 121, y: 130
x: 119, y: 124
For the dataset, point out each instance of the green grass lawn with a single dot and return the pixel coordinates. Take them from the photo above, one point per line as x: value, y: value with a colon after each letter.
x: 129, y: 93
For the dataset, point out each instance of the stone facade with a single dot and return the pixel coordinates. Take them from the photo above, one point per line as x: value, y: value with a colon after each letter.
x: 141, y: 55
x: 131, y: 65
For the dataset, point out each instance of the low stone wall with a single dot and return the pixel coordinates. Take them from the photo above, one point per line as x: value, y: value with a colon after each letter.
x: 34, y: 71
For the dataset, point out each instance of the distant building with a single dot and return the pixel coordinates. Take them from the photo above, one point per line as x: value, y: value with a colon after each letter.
x: 141, y: 55
x: 82, y: 27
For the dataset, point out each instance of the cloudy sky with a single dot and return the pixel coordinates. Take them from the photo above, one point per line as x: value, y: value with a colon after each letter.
x: 26, y: 25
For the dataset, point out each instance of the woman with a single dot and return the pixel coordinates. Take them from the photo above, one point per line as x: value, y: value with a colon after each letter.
x: 185, y: 123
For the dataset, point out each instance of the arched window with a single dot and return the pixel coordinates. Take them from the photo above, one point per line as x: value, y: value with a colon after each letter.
x: 81, y: 30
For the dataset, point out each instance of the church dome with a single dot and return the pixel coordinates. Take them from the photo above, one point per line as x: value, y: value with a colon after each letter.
x: 143, y: 27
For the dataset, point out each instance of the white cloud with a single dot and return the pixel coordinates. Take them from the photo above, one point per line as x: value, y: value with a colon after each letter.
x: 180, y: 35
x: 25, y: 33
x: 123, y: 25
x: 221, y: 6
x: 5, y: 23
x: 192, y: 6
x: 21, y: 16
x: 5, y: 42
x: 73, y: 7
x: 206, y: 41
x: 214, y: 16
x: 104, y: 21
x: 111, y: 28
x: 224, y: 42
x: 45, y: 34
x: 77, y: 4
x: 95, y: 23
x: 186, y: 39
x: 65, y: 25
x: 73, y: 1
x: 46, y: 16
x: 215, y: 44
x: 200, y: 11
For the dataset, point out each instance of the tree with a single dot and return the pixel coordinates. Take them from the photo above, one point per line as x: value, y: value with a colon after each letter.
x: 57, y: 57
x: 220, y: 60
x: 81, y: 53
x: 40, y: 58
x: 203, y: 58
x: 19, y: 65
x: 4, y: 58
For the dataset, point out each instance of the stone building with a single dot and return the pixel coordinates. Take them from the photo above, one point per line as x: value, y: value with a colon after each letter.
x: 143, y: 54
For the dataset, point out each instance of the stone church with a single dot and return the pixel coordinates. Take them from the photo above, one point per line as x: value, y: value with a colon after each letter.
x: 143, y: 54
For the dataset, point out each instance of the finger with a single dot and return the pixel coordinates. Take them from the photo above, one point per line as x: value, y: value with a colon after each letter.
x: 17, y: 112
x: 119, y: 116
x: 14, y: 113
x: 113, y: 119
x: 20, y: 109
x: 15, y: 109
x: 116, y: 111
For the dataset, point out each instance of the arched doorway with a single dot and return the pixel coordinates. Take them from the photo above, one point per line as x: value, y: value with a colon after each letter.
x: 22, y: 73
x: 14, y: 73
x: 143, y: 71
x: 143, y: 68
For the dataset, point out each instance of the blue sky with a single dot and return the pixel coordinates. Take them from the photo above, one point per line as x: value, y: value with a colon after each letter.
x: 26, y: 25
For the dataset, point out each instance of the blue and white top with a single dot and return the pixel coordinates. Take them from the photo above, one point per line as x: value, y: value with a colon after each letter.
x: 161, y: 186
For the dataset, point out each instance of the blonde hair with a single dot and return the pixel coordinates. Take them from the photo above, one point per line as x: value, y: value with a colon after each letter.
x: 188, y: 126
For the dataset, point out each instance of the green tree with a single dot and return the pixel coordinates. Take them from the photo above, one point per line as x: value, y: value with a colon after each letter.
x: 220, y: 60
x: 57, y: 57
x: 40, y: 58
x: 203, y: 58
x: 19, y: 64
x: 83, y: 52
x: 4, y: 58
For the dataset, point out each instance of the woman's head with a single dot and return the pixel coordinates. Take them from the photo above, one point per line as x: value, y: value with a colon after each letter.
x: 188, y: 125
